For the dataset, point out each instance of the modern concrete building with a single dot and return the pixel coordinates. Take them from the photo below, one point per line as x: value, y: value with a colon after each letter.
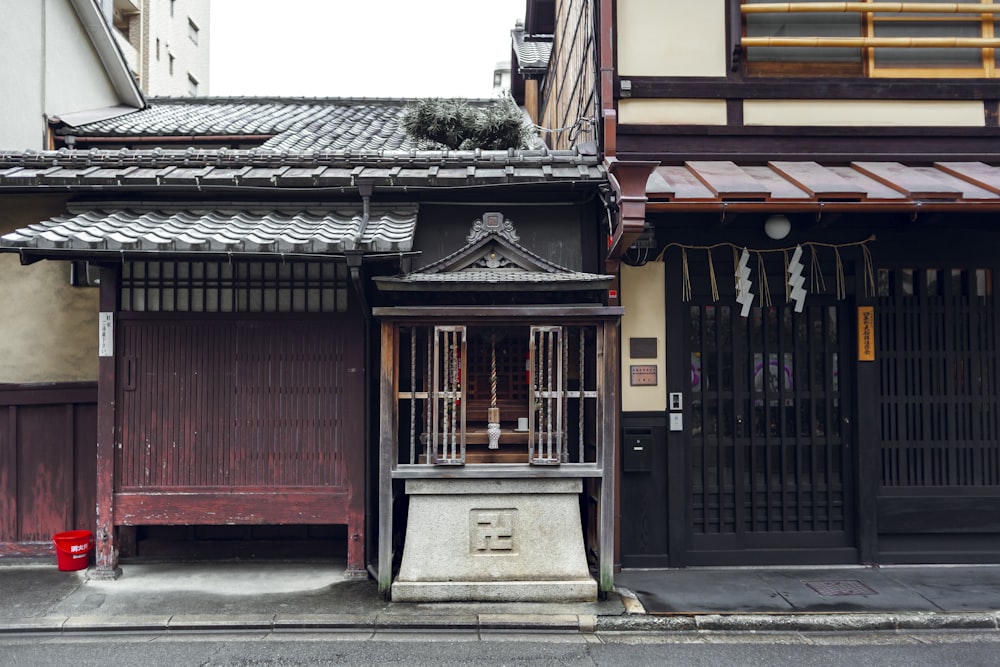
x: 165, y: 42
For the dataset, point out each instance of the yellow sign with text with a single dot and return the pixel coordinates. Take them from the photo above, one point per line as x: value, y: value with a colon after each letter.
x: 866, y: 333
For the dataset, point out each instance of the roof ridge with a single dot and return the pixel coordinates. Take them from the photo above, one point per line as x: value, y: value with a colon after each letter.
x: 296, y: 99
x: 193, y: 157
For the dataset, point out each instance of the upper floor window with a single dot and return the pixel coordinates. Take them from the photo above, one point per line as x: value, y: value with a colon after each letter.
x: 874, y: 38
x: 193, y: 31
x: 192, y: 85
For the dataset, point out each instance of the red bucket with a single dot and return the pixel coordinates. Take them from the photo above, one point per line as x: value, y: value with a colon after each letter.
x: 73, y: 549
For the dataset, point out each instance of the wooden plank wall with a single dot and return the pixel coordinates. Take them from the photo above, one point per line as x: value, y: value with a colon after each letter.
x: 238, y: 405
x: 48, y: 438
x: 569, y: 92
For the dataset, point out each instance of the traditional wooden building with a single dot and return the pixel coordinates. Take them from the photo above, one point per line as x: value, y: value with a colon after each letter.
x: 252, y: 279
x: 803, y: 201
x: 809, y: 279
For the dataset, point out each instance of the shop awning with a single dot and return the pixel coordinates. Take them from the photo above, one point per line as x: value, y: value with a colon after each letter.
x: 800, y: 184
x: 237, y: 230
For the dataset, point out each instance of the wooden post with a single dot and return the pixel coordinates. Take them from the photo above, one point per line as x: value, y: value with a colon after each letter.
x: 387, y: 451
x: 867, y: 454
x: 607, y: 380
x: 105, y: 547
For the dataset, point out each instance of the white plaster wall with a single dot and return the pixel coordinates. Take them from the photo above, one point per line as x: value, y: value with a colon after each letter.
x: 48, y: 329
x: 21, y: 75
x: 671, y: 112
x: 671, y: 38
x: 853, y: 113
x: 642, y: 295
x: 48, y: 67
x: 173, y: 35
x: 75, y: 77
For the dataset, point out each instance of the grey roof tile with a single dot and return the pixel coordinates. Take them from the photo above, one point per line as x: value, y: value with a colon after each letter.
x: 282, y: 124
x: 313, y: 230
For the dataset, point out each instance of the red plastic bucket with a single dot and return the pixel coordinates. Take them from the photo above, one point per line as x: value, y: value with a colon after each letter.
x: 73, y: 549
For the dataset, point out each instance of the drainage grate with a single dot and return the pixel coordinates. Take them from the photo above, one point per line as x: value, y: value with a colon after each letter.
x: 842, y: 587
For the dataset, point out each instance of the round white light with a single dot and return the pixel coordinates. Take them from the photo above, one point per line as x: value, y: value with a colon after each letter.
x: 777, y: 227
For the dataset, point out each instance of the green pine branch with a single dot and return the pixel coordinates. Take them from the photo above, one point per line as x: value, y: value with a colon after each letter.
x: 455, y: 124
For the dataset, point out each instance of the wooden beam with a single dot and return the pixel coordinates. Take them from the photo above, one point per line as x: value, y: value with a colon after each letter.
x: 875, y: 42
x: 869, y: 7
x: 200, y: 507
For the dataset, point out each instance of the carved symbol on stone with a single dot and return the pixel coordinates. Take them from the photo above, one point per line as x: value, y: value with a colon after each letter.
x: 492, y: 531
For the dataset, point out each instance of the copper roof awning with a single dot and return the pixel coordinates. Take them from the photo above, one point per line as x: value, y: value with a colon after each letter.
x: 193, y: 230
x: 791, y: 186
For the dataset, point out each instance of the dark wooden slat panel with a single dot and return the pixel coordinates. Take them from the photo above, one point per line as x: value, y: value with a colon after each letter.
x: 8, y: 475
x: 245, y: 404
x: 84, y: 418
x: 44, y: 472
x: 939, y: 514
x: 47, y: 463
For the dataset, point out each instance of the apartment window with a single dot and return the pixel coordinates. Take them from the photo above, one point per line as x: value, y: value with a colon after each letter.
x: 874, y: 38
x: 157, y: 48
x: 193, y: 31
x: 192, y: 85
x: 172, y: 3
x: 170, y: 63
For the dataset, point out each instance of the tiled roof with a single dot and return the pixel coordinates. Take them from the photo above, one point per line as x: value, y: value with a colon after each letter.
x: 260, y: 168
x: 532, y: 51
x: 280, y: 229
x: 287, y: 124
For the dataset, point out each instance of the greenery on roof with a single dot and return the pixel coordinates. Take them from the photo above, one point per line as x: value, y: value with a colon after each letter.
x: 458, y: 125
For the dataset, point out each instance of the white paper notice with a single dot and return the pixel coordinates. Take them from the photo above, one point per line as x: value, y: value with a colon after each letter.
x: 106, y: 335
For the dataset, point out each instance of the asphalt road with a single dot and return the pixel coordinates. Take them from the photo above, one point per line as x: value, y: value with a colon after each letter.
x: 427, y: 649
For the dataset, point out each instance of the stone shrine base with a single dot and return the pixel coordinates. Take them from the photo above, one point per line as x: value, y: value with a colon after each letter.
x: 494, y: 540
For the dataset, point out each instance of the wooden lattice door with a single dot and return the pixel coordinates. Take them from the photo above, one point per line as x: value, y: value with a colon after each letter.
x: 769, y: 458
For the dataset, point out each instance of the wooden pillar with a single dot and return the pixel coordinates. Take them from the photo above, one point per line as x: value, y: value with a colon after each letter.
x: 105, y: 547
x: 531, y: 100
x: 607, y: 364
x: 388, y: 418
x: 868, y: 450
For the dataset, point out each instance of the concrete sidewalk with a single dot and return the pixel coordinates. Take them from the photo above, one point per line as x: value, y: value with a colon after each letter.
x: 228, y: 596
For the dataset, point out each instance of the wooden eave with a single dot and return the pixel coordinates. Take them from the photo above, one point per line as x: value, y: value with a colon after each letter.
x: 807, y: 186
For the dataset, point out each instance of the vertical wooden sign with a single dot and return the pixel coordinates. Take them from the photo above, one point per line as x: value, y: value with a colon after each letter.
x: 866, y: 333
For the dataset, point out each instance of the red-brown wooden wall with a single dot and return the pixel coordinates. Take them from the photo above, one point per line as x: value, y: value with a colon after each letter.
x: 48, y: 439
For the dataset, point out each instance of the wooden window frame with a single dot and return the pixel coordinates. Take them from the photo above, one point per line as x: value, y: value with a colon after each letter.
x: 867, y: 67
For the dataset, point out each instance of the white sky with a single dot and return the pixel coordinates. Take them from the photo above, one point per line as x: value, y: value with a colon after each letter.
x: 359, y: 48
